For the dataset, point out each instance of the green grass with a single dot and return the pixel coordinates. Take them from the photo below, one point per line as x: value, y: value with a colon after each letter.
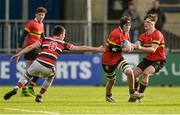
x: 90, y: 100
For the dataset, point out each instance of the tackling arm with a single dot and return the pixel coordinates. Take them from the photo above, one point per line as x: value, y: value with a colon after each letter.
x: 87, y: 48
x: 25, y: 50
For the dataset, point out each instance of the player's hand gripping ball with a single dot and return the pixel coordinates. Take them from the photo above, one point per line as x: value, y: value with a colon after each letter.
x: 126, y: 44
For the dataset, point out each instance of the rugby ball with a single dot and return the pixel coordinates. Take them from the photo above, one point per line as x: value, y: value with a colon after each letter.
x: 125, y: 43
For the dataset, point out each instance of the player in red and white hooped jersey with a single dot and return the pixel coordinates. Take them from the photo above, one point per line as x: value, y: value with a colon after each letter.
x: 151, y: 42
x: 52, y: 47
x: 44, y: 65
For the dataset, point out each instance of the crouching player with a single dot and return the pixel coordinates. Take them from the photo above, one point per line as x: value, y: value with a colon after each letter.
x: 44, y: 65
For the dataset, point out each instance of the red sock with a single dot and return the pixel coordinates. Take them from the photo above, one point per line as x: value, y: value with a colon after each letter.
x: 19, y: 84
x: 42, y: 91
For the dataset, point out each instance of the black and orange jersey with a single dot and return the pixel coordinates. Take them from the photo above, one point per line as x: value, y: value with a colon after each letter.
x: 34, y: 31
x: 115, y: 38
x: 155, y: 38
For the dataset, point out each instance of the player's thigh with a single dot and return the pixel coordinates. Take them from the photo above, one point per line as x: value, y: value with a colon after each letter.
x: 28, y: 63
x: 137, y: 72
x: 158, y: 65
x: 109, y: 70
x: 124, y: 66
x: 149, y: 70
x: 34, y: 69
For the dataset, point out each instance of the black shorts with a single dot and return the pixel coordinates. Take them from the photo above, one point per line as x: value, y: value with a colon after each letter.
x: 31, y: 55
x: 122, y: 65
x: 109, y: 68
x: 156, y: 64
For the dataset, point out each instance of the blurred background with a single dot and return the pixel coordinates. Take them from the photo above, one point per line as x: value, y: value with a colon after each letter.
x: 88, y: 22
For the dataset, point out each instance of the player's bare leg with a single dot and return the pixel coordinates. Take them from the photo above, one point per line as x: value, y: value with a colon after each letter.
x: 137, y: 72
x: 46, y: 84
x: 109, y: 85
x: 22, y: 81
x: 145, y: 79
x: 133, y: 94
x: 29, y: 91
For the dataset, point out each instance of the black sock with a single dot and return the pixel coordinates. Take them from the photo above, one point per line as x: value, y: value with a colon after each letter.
x: 142, y: 88
x: 136, y: 85
x: 109, y: 95
x: 34, y: 79
x: 131, y: 91
x: 31, y: 85
x: 33, y: 82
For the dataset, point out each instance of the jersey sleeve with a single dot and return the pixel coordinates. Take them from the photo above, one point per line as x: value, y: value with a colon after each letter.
x: 141, y: 40
x: 156, y: 38
x: 114, y: 38
x: 22, y: 38
x: 28, y: 26
x: 68, y: 46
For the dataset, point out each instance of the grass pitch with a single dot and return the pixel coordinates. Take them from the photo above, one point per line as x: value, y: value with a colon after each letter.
x: 91, y: 100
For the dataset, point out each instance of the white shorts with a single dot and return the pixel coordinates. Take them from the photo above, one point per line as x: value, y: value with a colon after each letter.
x: 36, y: 69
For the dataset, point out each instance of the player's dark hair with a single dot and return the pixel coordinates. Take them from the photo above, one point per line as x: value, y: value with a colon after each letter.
x: 58, y: 30
x: 124, y: 20
x: 152, y: 17
x: 41, y: 10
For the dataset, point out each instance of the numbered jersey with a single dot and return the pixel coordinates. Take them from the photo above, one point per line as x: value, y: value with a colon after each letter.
x: 51, y: 50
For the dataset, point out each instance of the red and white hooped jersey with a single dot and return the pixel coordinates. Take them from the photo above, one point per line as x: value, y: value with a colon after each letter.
x: 51, y: 48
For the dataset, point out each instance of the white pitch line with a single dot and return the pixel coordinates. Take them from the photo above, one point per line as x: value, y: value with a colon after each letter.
x: 32, y: 111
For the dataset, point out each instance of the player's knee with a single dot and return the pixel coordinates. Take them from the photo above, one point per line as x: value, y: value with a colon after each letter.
x: 28, y: 76
x: 111, y: 76
x: 145, y: 74
x: 50, y: 78
x: 145, y: 77
x: 129, y: 72
x: 145, y: 82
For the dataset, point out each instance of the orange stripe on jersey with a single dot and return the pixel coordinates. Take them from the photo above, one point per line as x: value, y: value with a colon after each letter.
x: 146, y: 45
x: 38, y: 33
x: 107, y: 43
x: 34, y: 34
x: 111, y: 42
x: 161, y: 46
x: 156, y: 42
x: 27, y: 29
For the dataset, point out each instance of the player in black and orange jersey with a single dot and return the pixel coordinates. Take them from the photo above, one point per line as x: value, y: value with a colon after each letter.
x: 152, y: 42
x: 113, y: 59
x: 52, y: 48
x: 33, y: 31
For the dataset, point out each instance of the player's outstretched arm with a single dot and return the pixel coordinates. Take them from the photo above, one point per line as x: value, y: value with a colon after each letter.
x: 25, y: 50
x: 88, y: 49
